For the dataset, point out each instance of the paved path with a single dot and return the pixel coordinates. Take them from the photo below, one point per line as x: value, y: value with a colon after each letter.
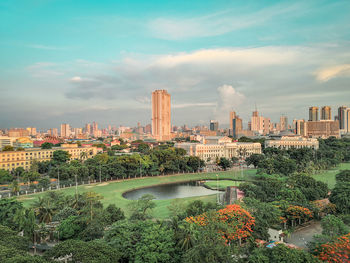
x: 303, y: 235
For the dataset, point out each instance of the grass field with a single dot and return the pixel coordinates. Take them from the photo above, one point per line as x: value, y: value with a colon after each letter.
x: 221, y: 184
x: 328, y: 176
x: 112, y: 191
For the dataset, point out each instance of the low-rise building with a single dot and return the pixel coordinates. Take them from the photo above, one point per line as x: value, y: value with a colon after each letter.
x: 287, y: 142
x: 217, y: 147
x: 10, y: 160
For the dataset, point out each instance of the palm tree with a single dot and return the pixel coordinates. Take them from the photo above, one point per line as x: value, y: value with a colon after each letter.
x: 15, y: 187
x: 83, y: 156
x: 44, y: 209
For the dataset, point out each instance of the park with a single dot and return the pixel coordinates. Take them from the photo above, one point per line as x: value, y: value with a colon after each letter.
x: 112, y: 191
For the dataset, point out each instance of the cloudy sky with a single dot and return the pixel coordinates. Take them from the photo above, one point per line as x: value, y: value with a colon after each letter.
x: 80, y: 61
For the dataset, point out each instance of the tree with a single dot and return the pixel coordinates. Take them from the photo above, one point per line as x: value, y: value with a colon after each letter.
x: 44, y: 209
x: 340, y: 196
x: 333, y: 226
x: 254, y: 159
x: 209, y: 245
x: 60, y: 156
x: 80, y: 251
x: 335, y: 251
x: 8, y: 209
x: 8, y: 148
x: 46, y: 145
x: 15, y: 187
x: 70, y: 228
x: 142, y: 241
x: 281, y: 254
x: 142, y: 207
x: 114, y: 213
x: 224, y: 163
x: 343, y: 176
x: 5, y: 176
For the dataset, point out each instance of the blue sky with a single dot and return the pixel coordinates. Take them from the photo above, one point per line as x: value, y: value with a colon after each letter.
x: 79, y: 61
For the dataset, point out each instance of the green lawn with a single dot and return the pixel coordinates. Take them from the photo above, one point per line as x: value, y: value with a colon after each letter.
x: 112, y: 191
x: 221, y: 184
x: 328, y: 176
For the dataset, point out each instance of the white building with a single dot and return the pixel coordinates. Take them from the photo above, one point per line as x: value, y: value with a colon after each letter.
x: 287, y: 142
x: 216, y: 147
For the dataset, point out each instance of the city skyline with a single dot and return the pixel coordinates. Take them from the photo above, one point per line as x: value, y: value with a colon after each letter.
x: 102, y: 61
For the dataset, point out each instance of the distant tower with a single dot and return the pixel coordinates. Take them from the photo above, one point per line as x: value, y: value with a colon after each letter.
x: 342, y: 117
x: 313, y: 114
x: 283, y: 123
x: 65, y: 130
x: 326, y: 113
x: 161, y: 115
x: 214, y: 125
x: 232, y: 117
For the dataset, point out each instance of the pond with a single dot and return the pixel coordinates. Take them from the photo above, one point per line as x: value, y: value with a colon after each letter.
x: 171, y: 191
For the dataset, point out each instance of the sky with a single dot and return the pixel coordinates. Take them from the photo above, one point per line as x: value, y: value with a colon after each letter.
x: 82, y: 61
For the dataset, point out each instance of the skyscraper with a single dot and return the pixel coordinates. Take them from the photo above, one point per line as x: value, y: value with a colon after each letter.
x: 65, y: 130
x: 313, y: 114
x: 300, y: 127
x: 232, y: 117
x: 342, y: 117
x: 283, y: 123
x: 326, y: 113
x: 214, y: 125
x: 237, y: 126
x: 161, y: 115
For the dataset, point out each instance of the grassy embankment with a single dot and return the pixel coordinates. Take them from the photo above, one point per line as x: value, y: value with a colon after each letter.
x: 328, y: 176
x: 112, y: 191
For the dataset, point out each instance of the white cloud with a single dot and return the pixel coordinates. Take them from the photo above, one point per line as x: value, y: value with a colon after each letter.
x: 229, y: 99
x: 76, y: 79
x: 219, y: 23
x: 329, y: 73
x: 194, y: 104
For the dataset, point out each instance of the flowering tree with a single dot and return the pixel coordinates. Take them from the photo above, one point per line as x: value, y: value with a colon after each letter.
x: 337, y: 251
x: 239, y: 222
x: 295, y: 212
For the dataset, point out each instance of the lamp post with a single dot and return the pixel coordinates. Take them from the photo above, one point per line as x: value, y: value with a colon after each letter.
x: 58, y: 177
x: 217, y: 188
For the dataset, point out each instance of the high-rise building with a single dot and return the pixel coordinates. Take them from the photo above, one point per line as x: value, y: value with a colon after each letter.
x: 342, y: 117
x: 88, y: 128
x: 326, y: 113
x: 161, y: 115
x: 259, y: 124
x: 323, y: 129
x: 18, y: 132
x: 32, y: 131
x: 313, y: 114
x: 65, y: 130
x: 283, y: 123
x: 232, y: 117
x: 300, y: 127
x: 237, y: 126
x: 214, y: 125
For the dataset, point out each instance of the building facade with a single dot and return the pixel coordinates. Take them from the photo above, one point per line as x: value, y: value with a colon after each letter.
x: 313, y: 114
x: 287, y: 142
x: 216, y: 147
x: 323, y: 129
x: 326, y: 113
x: 65, y: 130
x: 214, y: 125
x: 161, y: 115
x: 10, y: 160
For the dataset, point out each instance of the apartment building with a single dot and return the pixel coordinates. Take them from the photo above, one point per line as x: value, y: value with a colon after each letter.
x: 10, y: 160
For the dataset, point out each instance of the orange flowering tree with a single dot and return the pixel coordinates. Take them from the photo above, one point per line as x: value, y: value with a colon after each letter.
x: 239, y: 222
x: 296, y: 212
x: 337, y: 251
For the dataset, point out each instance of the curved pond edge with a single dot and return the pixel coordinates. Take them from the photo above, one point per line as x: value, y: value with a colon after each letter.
x: 179, y: 182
